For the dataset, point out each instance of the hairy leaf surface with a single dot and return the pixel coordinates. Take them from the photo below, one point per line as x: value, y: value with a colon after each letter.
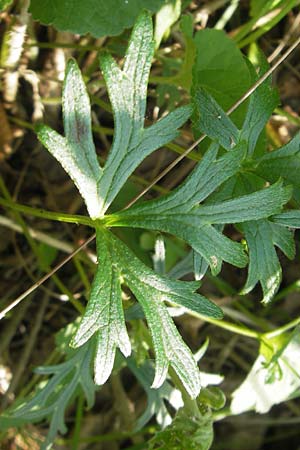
x: 151, y: 291
x: 76, y: 151
x: 127, y: 89
x: 104, y: 314
x: 195, y: 226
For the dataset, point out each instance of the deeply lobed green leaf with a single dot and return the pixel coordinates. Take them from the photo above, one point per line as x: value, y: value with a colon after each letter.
x: 181, y: 213
x: 104, y: 315
x: 76, y: 151
x: 253, y: 173
x: 67, y: 380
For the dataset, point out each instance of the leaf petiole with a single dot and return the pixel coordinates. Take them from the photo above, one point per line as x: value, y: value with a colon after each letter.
x: 43, y: 214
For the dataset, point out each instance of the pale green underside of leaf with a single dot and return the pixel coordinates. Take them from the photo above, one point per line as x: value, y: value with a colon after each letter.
x: 97, y: 17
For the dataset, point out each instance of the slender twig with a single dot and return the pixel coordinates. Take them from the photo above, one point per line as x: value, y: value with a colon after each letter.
x: 158, y: 178
x: 288, y: 326
x: 45, y: 277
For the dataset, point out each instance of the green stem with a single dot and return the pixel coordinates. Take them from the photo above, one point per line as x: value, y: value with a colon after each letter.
x: 78, y: 420
x: 282, y: 329
x: 243, y: 331
x: 43, y: 214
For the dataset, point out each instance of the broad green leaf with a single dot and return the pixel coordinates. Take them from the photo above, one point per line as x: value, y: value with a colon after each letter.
x: 220, y: 68
x: 67, y: 380
x: 104, y: 314
x: 260, y: 391
x: 209, y: 118
x: 96, y: 17
x: 76, y: 151
x: 264, y: 266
